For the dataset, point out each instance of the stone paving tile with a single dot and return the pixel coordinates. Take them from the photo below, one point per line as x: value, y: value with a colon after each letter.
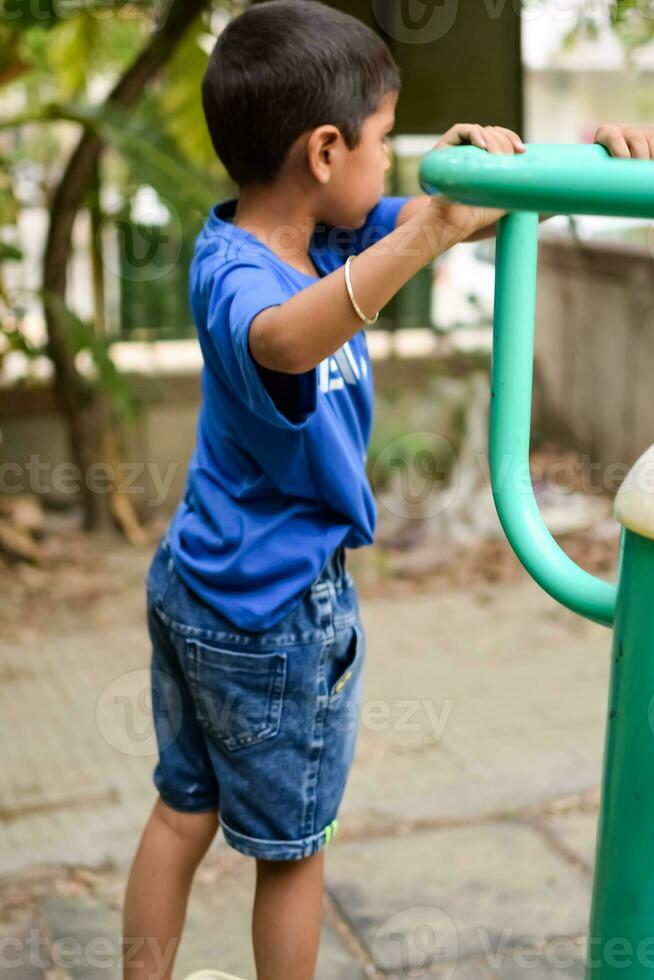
x: 577, y: 832
x: 563, y: 960
x: 78, y: 745
x: 219, y: 921
x: 458, y: 720
x: 217, y: 932
x: 92, y: 721
x: 476, y: 705
x: 25, y: 954
x: 85, y: 937
x: 469, y: 969
x: 457, y: 893
x: 104, y: 835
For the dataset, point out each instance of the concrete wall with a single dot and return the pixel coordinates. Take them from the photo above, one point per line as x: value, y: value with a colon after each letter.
x: 156, y: 451
x: 34, y: 452
x: 593, y: 386
x: 594, y: 381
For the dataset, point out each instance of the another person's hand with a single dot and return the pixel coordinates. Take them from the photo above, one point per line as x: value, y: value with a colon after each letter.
x: 494, y: 139
x: 627, y: 142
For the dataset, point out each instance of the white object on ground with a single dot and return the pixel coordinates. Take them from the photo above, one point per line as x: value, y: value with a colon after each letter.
x: 634, y: 503
x: 211, y: 975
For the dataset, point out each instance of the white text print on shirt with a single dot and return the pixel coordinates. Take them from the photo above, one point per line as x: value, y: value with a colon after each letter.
x: 341, y: 368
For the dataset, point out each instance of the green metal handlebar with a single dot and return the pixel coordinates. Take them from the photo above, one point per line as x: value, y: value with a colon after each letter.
x: 557, y: 179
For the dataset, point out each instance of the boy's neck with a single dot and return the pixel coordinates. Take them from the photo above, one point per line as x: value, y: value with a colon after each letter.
x: 282, y: 220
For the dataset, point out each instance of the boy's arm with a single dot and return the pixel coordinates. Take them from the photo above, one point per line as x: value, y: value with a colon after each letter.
x: 415, y: 205
x: 298, y: 334
x: 493, y: 139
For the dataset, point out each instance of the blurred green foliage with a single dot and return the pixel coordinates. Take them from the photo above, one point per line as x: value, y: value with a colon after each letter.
x: 57, y: 64
x: 58, y: 60
x: 631, y: 20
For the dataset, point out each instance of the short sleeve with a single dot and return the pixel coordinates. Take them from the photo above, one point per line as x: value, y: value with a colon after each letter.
x: 239, y: 294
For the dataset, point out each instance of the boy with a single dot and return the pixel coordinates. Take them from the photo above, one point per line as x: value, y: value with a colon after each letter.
x: 258, y: 646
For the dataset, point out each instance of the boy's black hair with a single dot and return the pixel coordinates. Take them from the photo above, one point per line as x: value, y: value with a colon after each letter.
x: 284, y: 67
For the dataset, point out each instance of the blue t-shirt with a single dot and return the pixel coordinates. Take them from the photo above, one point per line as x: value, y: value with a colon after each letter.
x: 278, y: 479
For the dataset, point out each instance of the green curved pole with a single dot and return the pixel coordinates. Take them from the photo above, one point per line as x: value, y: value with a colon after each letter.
x: 511, y: 386
x: 557, y: 178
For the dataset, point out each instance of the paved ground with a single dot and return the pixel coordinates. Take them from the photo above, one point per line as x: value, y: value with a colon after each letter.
x: 467, y: 833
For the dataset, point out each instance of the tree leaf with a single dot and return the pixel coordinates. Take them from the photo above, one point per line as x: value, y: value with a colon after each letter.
x: 82, y: 337
x: 71, y: 50
x: 181, y: 102
x: 23, y: 14
x: 9, y: 253
x: 151, y: 154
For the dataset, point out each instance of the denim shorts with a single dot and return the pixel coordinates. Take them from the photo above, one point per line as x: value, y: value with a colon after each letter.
x: 260, y: 726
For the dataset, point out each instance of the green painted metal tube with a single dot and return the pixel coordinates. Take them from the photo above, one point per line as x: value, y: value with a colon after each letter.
x: 513, y: 350
x: 621, y: 934
x: 548, y: 178
x: 576, y: 180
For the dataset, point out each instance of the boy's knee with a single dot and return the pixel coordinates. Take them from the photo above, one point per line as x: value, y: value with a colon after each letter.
x: 191, y: 828
x: 268, y: 867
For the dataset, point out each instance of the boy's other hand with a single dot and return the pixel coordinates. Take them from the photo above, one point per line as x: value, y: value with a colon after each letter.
x: 628, y: 142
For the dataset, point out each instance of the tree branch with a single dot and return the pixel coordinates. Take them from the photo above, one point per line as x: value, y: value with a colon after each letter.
x: 78, y: 176
x: 75, y: 397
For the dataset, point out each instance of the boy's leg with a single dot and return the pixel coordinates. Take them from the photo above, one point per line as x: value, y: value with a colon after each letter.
x: 172, y: 846
x: 287, y: 916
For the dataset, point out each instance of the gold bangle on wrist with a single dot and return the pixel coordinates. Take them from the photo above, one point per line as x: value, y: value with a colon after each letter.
x: 348, y: 282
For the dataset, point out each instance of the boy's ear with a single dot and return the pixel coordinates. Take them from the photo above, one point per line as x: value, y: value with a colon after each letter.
x: 324, y: 145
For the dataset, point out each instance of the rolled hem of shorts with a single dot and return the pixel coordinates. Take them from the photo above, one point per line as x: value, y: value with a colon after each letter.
x: 188, y: 804
x: 278, y: 850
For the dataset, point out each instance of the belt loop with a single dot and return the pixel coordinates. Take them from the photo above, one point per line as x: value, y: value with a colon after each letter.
x: 342, y: 560
x: 323, y: 600
x: 165, y: 547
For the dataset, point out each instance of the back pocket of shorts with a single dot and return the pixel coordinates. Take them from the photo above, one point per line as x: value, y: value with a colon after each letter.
x: 238, y: 696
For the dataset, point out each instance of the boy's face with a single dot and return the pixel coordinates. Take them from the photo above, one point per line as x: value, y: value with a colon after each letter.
x: 357, y: 178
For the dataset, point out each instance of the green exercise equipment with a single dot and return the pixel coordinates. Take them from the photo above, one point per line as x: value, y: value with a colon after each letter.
x: 576, y: 179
